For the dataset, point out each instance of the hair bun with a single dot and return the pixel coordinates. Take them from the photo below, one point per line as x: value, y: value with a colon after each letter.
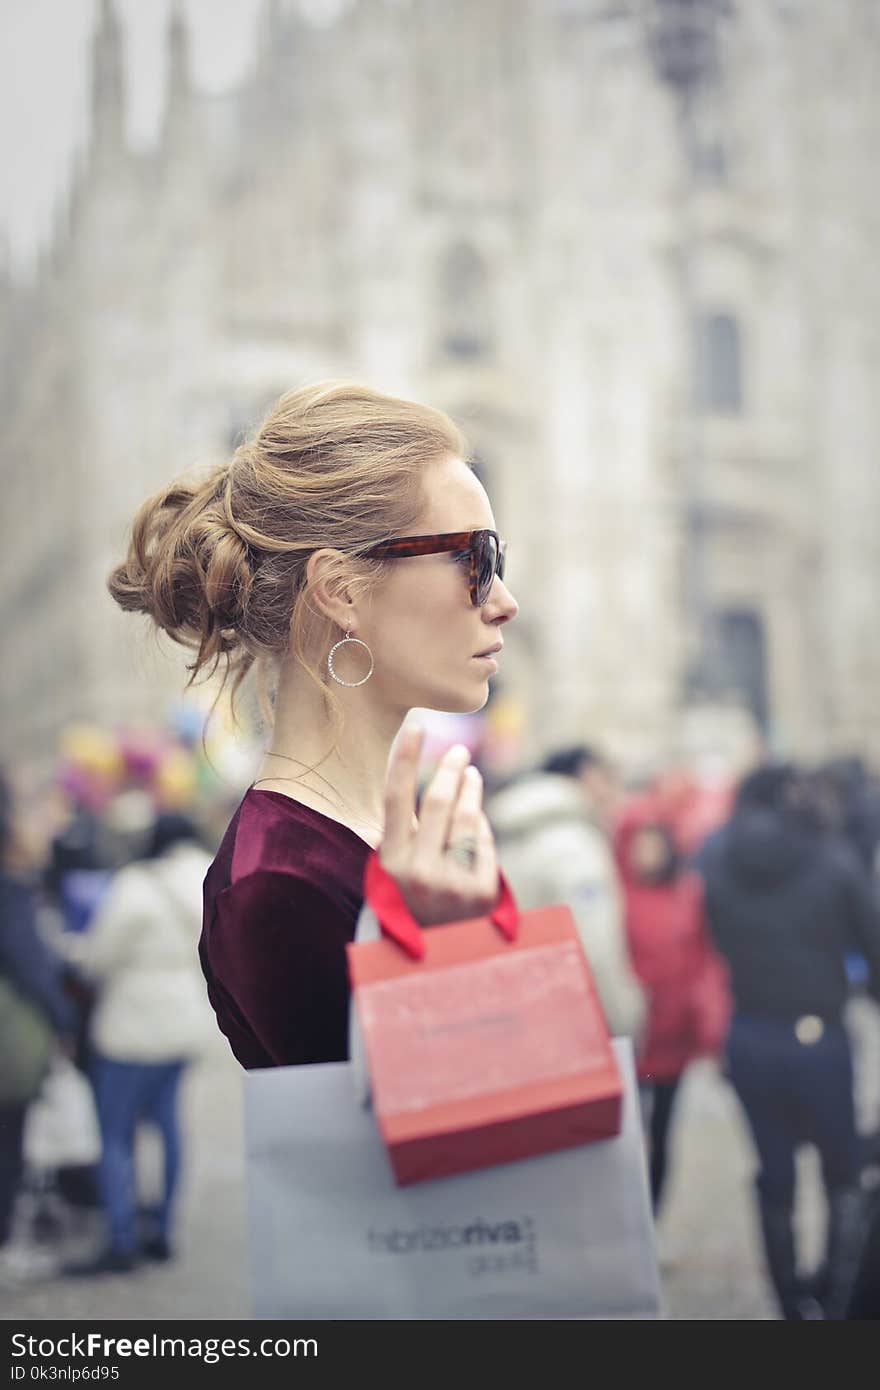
x: 187, y: 567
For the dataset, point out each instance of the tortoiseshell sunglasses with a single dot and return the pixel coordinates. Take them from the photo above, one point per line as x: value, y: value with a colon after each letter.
x: 483, y: 550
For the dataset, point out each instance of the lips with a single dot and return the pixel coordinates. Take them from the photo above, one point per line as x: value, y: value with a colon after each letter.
x: 492, y: 651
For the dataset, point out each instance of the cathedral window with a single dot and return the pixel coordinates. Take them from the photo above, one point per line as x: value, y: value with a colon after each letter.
x: 718, y: 364
x: 742, y: 653
x: 464, y: 303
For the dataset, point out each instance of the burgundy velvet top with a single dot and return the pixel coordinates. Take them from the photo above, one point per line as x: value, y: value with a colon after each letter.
x: 281, y: 899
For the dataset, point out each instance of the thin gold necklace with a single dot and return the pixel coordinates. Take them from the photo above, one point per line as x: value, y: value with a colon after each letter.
x: 340, y: 805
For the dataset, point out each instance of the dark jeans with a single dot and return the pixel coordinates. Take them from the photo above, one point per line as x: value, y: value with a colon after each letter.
x: 865, y: 1300
x: 793, y: 1093
x: 125, y: 1093
x: 661, y: 1095
x: 11, y: 1163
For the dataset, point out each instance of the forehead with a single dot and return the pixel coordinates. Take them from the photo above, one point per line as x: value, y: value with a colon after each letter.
x: 455, y: 499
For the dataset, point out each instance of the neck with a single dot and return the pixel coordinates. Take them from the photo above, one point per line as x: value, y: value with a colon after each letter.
x: 351, y: 778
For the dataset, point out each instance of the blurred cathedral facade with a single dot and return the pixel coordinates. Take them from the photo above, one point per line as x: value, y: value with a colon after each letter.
x: 661, y: 336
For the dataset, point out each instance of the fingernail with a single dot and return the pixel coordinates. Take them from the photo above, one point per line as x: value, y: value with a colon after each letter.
x: 458, y: 753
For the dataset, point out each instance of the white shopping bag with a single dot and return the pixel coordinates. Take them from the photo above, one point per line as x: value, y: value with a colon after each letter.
x: 566, y: 1235
x: 61, y: 1127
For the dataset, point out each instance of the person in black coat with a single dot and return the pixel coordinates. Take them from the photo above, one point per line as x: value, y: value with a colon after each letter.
x: 786, y: 903
x: 34, y: 972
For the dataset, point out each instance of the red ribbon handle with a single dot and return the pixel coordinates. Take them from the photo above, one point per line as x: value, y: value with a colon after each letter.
x: 385, y: 898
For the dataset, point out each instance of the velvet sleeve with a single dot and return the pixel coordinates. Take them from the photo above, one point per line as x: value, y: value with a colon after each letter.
x: 277, y: 949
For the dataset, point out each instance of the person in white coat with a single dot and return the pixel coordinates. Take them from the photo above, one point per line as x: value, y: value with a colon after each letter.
x: 550, y: 835
x: 150, y: 1019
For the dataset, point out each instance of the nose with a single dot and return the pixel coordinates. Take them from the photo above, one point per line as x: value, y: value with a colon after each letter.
x: 501, y: 603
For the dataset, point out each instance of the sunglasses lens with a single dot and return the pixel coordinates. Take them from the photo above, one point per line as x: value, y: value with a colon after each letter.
x: 488, y: 565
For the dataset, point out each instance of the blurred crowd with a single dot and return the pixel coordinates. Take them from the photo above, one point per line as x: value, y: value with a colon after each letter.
x: 102, y: 1003
x: 732, y: 920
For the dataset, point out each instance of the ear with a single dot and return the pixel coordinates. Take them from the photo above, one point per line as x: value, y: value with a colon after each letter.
x: 328, y: 587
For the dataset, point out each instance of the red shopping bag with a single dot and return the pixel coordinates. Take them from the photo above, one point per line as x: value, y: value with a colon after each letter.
x: 485, y: 1039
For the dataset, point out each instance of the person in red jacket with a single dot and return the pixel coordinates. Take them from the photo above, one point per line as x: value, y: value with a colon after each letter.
x: 684, y: 978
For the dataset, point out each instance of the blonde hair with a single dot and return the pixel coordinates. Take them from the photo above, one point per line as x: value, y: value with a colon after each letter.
x: 218, y: 560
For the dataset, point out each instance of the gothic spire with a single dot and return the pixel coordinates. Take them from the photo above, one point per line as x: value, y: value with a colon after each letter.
x: 178, y: 57
x: 270, y: 25
x: 179, y: 101
x: 108, y: 87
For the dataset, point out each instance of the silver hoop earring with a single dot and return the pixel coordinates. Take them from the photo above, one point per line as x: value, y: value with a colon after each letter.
x: 341, y: 643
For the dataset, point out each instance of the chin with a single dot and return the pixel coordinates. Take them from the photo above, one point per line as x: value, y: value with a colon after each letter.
x: 457, y: 702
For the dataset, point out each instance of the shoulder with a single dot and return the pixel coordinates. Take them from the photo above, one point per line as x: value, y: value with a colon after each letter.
x: 274, y: 887
x: 838, y: 859
x: 275, y: 833
x: 130, y: 885
x: 269, y: 901
x: 267, y: 918
x: 533, y: 801
x: 709, y: 852
x: 16, y: 903
x: 15, y: 894
x: 281, y: 866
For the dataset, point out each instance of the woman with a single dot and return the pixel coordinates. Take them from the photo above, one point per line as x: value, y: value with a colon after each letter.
x: 350, y: 553
x: 785, y: 903
x: 150, y: 1020
x: 36, y: 1015
x: 683, y: 976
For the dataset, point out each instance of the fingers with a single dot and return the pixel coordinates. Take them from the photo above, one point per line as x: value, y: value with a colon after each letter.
x: 486, y: 866
x: 401, y: 786
x: 469, y: 821
x: 436, y: 887
x: 464, y: 822
x: 438, y: 803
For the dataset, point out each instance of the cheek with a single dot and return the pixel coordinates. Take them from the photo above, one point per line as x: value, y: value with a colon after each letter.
x: 422, y: 621
x: 430, y: 600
